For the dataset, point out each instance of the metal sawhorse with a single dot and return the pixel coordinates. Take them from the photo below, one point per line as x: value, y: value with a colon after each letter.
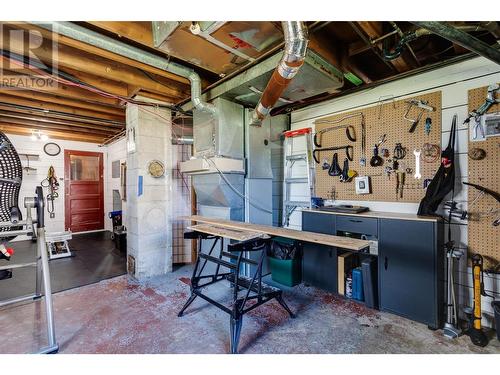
x: 254, y: 290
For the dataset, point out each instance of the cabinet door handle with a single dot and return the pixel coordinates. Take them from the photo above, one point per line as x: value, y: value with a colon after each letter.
x: 385, y: 263
x: 355, y: 221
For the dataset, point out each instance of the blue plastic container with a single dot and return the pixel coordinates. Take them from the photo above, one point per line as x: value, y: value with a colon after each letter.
x: 357, y: 284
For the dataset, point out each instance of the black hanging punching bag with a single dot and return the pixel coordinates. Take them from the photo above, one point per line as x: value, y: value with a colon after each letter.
x: 444, y: 180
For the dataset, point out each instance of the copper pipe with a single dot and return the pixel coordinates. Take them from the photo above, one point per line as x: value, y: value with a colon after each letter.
x: 293, y: 57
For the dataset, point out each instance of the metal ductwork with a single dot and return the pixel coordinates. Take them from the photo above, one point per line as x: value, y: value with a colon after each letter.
x: 295, y: 33
x: 95, y: 39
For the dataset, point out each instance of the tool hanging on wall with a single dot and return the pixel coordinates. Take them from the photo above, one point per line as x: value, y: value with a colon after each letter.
x: 477, y: 153
x: 376, y: 160
x: 430, y: 152
x: 349, y: 129
x: 349, y: 152
x: 491, y: 99
x: 417, y: 174
x: 428, y: 126
x: 478, y: 130
x: 423, y: 105
x: 53, y: 185
x: 400, y: 183
x: 399, y: 153
x: 325, y: 164
x: 349, y: 132
x: 475, y: 332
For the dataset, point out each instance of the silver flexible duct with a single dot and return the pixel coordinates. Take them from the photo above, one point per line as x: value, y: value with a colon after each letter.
x: 74, y: 31
x: 295, y: 33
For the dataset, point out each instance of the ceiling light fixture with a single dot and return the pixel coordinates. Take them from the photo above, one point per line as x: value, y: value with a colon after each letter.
x: 37, y: 135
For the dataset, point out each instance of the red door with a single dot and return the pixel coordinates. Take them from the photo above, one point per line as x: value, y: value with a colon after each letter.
x: 84, y: 190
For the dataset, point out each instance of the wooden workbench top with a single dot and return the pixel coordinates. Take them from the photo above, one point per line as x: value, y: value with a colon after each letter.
x: 318, y: 238
x: 232, y: 234
x: 379, y: 215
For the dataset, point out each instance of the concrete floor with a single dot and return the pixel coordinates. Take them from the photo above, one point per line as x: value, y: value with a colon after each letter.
x: 121, y: 316
x: 94, y: 259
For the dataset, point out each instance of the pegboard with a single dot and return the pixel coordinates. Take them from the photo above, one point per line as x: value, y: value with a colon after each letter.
x: 387, y: 117
x: 483, y: 237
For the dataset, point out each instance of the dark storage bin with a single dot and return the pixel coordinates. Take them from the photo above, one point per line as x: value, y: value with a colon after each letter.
x: 287, y: 272
x: 370, y: 282
x: 357, y: 284
x: 120, y: 238
x: 285, y: 262
x: 496, y: 308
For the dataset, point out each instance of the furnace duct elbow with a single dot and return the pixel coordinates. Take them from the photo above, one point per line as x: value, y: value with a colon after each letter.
x: 295, y: 33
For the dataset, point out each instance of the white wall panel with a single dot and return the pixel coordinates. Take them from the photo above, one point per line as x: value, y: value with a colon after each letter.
x: 454, y: 81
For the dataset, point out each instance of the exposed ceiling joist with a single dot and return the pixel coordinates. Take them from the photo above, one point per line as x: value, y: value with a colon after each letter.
x: 67, y: 57
x: 47, y: 107
x: 34, y: 112
x: 64, y: 40
x: 52, y: 97
x: 53, y: 121
x: 54, y: 134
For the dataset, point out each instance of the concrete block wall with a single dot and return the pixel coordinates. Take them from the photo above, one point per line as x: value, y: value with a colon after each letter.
x: 454, y: 82
x: 149, y: 214
x: 24, y: 144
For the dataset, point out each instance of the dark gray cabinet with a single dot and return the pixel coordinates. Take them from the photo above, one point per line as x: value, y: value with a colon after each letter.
x: 318, y: 223
x: 410, y: 261
x: 319, y: 263
x: 410, y: 270
x: 319, y: 267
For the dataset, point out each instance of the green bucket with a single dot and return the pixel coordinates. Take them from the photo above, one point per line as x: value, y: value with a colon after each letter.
x: 287, y: 272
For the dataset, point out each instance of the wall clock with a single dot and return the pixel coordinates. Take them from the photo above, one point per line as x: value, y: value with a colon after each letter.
x: 52, y: 149
x: 156, y: 168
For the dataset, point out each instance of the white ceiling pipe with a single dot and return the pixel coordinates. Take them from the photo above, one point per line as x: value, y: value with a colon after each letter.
x: 74, y: 31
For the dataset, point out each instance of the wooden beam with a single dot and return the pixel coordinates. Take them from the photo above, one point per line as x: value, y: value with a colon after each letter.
x: 52, y: 116
x: 152, y: 95
x: 13, y: 115
x: 14, y: 129
x: 61, y: 39
x: 113, y: 87
x: 67, y: 57
x: 35, y: 125
x: 52, y: 98
x: 56, y: 107
x: 92, y: 129
x: 68, y: 91
x: 140, y: 32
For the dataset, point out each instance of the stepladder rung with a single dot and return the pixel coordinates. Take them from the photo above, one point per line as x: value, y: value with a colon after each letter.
x: 301, y: 164
x: 297, y: 180
x: 296, y: 157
